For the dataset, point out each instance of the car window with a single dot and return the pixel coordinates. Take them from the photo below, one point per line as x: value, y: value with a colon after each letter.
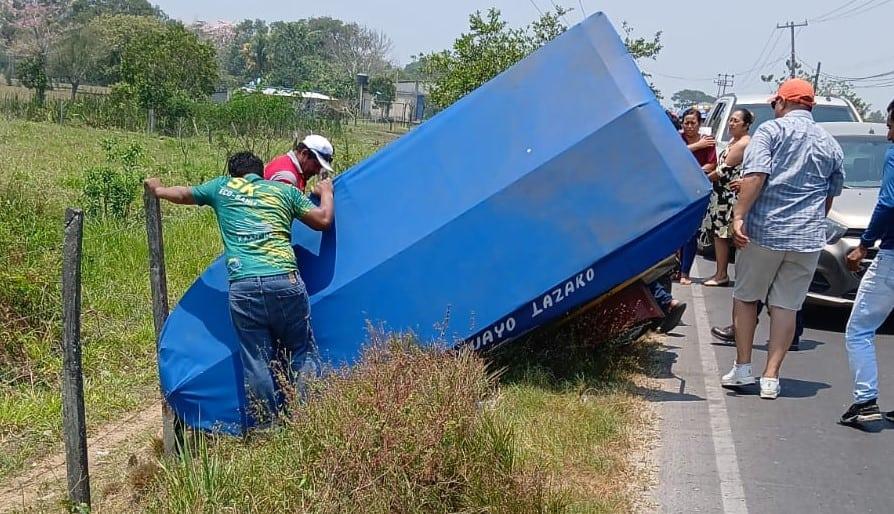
x: 716, y: 118
x: 821, y: 113
x: 864, y: 158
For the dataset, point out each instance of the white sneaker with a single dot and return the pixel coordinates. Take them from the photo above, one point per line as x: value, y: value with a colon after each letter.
x: 770, y: 388
x: 740, y: 375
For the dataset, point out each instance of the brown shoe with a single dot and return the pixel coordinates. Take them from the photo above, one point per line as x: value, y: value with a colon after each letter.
x: 727, y: 334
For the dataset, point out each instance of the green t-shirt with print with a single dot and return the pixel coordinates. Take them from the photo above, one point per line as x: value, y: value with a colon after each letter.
x: 255, y: 218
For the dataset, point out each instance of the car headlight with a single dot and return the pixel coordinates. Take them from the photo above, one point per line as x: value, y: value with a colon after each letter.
x: 834, y: 231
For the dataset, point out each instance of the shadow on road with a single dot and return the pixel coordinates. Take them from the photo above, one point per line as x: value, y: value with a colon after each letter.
x: 791, y: 388
x: 831, y: 319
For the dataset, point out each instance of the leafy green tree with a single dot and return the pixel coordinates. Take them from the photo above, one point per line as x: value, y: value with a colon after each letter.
x: 383, y: 89
x: 75, y: 57
x: 32, y: 72
x: 111, y: 35
x: 167, y: 69
x: 491, y: 46
x: 293, y: 60
x: 689, y: 97
x: 86, y: 10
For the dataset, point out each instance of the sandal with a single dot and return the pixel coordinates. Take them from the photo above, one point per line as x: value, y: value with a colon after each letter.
x: 714, y: 283
x: 685, y: 281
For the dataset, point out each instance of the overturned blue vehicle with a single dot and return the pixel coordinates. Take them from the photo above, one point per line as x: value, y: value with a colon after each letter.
x: 539, y: 192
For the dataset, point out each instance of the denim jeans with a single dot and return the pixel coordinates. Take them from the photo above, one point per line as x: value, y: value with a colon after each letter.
x: 662, y: 296
x: 873, y: 305
x: 272, y: 319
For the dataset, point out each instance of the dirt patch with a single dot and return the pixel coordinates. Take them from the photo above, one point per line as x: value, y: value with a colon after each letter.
x: 117, y: 451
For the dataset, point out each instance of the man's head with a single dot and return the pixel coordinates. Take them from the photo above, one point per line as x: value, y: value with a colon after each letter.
x: 890, y: 121
x: 244, y: 163
x: 793, y: 95
x: 314, y: 153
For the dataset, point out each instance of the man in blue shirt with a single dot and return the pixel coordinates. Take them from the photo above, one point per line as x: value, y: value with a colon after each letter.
x: 792, y: 171
x: 875, y: 298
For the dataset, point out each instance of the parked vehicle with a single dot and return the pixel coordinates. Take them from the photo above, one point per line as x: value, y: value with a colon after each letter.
x: 864, y: 146
x: 827, y: 109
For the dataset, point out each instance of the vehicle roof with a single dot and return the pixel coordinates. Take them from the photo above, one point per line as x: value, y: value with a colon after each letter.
x: 851, y: 128
x: 765, y: 97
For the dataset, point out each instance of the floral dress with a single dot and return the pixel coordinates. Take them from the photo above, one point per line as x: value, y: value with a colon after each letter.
x: 720, y: 213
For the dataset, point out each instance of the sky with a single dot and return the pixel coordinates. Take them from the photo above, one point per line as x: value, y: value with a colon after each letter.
x: 701, y: 38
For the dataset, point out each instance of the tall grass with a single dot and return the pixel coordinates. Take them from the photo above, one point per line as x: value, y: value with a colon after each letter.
x: 406, y: 430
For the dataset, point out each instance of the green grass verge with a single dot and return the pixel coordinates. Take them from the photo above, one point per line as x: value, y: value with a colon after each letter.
x: 42, y: 169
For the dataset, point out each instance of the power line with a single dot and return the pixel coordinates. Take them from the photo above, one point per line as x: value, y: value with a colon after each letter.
x: 582, y: 10
x: 856, y: 11
x: 559, y: 11
x: 536, y: 7
x: 833, y: 11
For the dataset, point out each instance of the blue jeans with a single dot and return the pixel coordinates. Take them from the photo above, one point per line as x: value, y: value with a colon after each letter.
x: 272, y: 319
x: 662, y: 295
x: 873, y: 305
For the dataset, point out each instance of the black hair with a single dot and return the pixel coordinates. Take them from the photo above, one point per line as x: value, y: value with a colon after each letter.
x: 747, y: 116
x: 891, y: 108
x: 673, y: 119
x: 690, y: 112
x: 244, y: 163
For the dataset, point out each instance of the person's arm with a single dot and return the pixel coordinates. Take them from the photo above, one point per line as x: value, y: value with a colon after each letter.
x: 882, y: 217
x: 757, y: 165
x: 836, y: 179
x: 175, y: 194
x: 320, y: 218
x: 736, y: 153
x: 701, y: 144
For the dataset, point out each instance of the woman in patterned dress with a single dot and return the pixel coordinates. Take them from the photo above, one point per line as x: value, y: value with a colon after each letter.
x: 726, y: 179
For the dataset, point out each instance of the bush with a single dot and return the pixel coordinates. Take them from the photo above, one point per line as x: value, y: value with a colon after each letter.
x: 110, y: 189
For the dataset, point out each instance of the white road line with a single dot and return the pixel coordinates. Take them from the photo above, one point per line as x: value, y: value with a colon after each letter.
x: 731, y: 489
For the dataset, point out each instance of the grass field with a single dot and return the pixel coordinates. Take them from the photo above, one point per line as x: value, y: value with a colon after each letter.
x: 42, y: 169
x: 547, y: 426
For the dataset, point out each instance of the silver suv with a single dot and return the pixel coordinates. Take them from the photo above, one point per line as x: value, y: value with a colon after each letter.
x: 864, y: 146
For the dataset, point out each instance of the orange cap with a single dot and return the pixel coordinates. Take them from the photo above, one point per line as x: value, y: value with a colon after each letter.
x: 798, y: 91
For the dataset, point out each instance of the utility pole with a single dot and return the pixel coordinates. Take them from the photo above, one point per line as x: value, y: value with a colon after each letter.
x: 792, y: 26
x: 816, y: 77
x: 723, y: 81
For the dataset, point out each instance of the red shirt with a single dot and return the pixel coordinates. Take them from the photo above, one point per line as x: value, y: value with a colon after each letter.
x: 705, y: 155
x: 285, y: 169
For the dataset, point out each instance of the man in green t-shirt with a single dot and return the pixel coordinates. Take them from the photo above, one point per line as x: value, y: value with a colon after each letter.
x: 268, y: 301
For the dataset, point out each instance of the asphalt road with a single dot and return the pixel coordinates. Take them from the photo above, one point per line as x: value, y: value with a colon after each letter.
x: 725, y: 451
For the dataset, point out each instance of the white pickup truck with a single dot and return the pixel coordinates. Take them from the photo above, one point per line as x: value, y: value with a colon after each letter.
x: 827, y: 109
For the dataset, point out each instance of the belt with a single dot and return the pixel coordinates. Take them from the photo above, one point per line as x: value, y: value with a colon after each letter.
x: 291, y: 276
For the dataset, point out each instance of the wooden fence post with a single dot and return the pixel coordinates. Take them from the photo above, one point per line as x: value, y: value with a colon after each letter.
x: 74, y: 423
x: 171, y: 427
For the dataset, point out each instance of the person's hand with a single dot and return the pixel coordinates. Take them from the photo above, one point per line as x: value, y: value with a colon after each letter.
x: 323, y: 187
x: 704, y: 142
x: 855, y: 258
x: 740, y: 238
x: 735, y: 185
x: 153, y: 184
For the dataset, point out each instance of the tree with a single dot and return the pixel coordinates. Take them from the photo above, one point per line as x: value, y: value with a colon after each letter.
x: 876, y: 117
x: 293, y: 61
x: 689, y: 97
x: 75, y: 57
x: 32, y: 72
x: 86, y: 10
x: 112, y: 34
x: 383, y: 91
x: 491, y: 46
x: 165, y: 69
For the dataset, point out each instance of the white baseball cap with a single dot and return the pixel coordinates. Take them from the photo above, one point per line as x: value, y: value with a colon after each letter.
x: 321, y: 148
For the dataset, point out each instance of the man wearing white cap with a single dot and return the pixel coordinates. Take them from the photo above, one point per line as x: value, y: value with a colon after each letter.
x: 305, y: 160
